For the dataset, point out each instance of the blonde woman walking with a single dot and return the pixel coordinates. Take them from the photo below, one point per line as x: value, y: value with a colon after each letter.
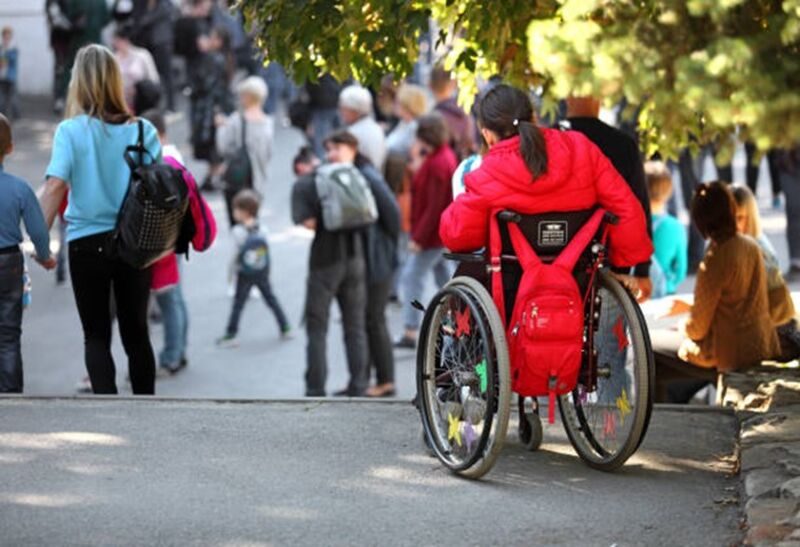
x: 87, y: 160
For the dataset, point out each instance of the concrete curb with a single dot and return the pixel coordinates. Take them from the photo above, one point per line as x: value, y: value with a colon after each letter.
x: 90, y: 399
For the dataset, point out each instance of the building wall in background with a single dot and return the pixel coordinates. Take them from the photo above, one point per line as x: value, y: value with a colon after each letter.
x: 28, y: 20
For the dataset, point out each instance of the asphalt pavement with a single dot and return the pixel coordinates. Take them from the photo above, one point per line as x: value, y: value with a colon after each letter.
x: 121, y: 472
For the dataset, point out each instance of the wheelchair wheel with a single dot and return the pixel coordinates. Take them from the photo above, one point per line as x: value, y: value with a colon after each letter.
x: 607, y: 422
x: 529, y: 428
x: 463, y: 380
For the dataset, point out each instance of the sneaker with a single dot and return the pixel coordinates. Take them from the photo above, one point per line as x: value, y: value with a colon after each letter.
x: 228, y: 341
x: 84, y: 385
x: 171, y: 369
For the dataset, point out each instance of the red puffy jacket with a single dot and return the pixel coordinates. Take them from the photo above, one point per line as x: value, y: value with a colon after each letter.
x: 578, y: 177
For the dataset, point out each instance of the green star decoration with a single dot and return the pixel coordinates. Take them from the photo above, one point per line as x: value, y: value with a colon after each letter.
x: 480, y: 370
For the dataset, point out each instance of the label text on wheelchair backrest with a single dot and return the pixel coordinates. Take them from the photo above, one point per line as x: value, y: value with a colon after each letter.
x: 553, y: 233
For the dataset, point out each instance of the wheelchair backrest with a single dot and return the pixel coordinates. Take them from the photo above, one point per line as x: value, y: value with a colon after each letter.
x: 548, y: 233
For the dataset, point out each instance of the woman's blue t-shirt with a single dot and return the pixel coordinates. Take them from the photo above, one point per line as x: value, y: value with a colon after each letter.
x: 88, y: 155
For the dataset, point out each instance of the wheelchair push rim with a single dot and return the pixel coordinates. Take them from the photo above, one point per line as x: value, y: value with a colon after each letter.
x: 606, y: 418
x: 463, y: 378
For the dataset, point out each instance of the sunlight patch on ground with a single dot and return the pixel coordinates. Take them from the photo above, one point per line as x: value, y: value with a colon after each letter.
x: 7, y: 457
x: 91, y: 469
x: 61, y: 439
x: 288, y: 513
x: 42, y: 500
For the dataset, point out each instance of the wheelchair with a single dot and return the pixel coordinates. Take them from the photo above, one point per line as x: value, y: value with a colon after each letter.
x: 463, y: 371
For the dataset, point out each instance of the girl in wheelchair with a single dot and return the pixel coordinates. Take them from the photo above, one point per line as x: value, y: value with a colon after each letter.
x: 531, y: 169
x: 465, y: 372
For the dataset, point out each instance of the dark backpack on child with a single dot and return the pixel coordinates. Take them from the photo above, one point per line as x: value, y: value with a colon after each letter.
x: 545, y: 334
x: 239, y: 171
x: 254, y: 253
x: 153, y: 210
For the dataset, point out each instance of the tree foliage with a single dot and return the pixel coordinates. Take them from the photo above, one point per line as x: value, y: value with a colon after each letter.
x: 698, y: 70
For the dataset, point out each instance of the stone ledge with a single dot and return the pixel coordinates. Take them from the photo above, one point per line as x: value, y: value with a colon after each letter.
x: 767, y: 400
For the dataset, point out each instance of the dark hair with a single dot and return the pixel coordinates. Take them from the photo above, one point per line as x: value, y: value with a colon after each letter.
x: 432, y: 130
x: 305, y: 155
x: 343, y: 136
x: 156, y: 117
x: 248, y: 201
x: 508, y: 112
x: 5, y: 135
x: 713, y: 211
x: 124, y: 31
x: 226, y: 50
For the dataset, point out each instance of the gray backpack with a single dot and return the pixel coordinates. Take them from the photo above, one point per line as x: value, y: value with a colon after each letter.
x: 345, y: 196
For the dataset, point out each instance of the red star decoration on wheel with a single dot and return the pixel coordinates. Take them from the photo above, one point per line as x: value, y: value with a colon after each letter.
x: 622, y: 338
x: 462, y: 323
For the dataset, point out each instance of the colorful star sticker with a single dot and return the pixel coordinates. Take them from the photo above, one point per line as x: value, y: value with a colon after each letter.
x: 583, y: 395
x: 469, y: 435
x: 622, y: 338
x: 462, y: 323
x: 609, y: 425
x: 454, y: 431
x: 623, y: 405
x: 480, y: 370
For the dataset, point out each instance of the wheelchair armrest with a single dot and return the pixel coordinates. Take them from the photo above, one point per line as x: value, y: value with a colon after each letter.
x: 476, y: 257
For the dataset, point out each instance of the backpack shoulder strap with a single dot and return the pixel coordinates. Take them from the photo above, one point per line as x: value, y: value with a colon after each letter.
x: 525, y: 254
x: 573, y: 251
x: 495, y: 265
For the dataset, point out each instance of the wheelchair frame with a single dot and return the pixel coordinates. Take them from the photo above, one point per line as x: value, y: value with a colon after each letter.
x: 529, y: 424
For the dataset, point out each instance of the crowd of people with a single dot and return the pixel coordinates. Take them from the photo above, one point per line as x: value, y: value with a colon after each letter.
x: 389, y: 180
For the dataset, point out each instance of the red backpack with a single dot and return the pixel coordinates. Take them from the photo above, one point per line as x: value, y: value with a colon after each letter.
x: 545, y: 334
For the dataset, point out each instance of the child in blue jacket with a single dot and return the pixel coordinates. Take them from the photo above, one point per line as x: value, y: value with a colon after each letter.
x: 670, y: 259
x: 17, y: 203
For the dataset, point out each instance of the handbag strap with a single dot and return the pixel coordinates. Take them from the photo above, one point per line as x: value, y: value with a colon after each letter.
x: 244, y: 131
x: 137, y: 148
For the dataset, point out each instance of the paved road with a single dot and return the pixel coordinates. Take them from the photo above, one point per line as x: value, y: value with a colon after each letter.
x: 100, y: 472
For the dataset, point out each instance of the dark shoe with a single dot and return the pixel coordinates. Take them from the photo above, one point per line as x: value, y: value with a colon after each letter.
x: 347, y: 392
x: 311, y: 393
x: 405, y: 342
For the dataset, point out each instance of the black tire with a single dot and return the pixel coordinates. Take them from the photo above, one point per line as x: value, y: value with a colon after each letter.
x: 449, y: 382
x: 623, y: 396
x: 529, y: 428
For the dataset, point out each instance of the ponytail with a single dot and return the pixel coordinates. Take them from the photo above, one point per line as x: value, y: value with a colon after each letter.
x: 508, y: 112
x: 532, y: 148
